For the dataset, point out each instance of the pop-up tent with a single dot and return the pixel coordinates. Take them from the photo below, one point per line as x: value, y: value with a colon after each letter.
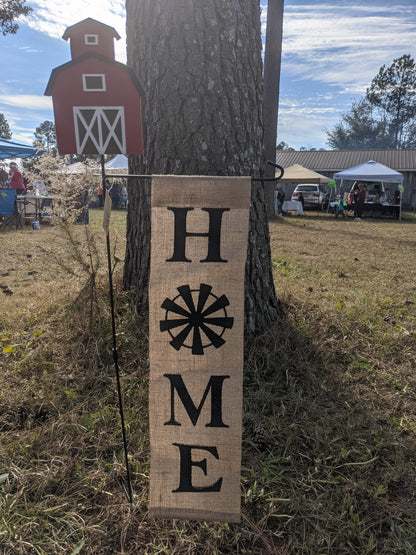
x: 10, y: 149
x: 76, y: 167
x: 370, y: 171
x: 119, y: 162
x: 299, y: 174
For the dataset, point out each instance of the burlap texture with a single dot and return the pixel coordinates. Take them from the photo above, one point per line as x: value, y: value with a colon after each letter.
x: 175, y: 286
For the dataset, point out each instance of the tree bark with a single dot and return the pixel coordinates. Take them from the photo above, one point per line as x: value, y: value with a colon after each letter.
x: 200, y: 65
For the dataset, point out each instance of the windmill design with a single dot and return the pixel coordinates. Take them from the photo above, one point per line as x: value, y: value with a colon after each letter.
x: 196, y: 319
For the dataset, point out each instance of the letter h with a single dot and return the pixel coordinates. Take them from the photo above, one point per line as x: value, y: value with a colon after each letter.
x: 213, y: 235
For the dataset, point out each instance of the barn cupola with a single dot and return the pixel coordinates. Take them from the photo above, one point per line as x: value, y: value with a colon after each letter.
x: 91, y: 36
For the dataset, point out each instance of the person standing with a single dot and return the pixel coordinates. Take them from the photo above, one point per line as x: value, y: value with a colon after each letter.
x: 280, y: 200
x: 4, y: 176
x: 396, y: 203
x: 16, y: 179
x: 340, y: 209
x: 353, y: 199
x: 100, y: 193
x: 302, y: 200
x: 115, y: 194
x: 360, y: 202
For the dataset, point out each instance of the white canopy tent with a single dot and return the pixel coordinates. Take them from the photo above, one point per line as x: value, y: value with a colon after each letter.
x: 371, y: 171
x: 119, y: 162
x: 76, y: 167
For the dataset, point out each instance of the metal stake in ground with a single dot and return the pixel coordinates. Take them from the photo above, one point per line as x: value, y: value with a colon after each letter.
x: 128, y: 490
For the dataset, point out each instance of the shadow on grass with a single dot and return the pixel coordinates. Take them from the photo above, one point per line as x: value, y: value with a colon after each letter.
x: 326, y: 468
x: 408, y: 217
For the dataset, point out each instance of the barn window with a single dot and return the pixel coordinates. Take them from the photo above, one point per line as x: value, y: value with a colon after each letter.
x: 91, y: 39
x: 93, y: 82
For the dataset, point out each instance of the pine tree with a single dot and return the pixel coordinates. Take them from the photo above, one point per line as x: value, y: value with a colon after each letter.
x: 200, y: 65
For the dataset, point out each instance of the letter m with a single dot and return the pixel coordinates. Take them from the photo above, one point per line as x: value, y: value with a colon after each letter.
x: 214, y: 385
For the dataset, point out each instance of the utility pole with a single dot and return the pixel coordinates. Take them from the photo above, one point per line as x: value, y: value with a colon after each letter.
x: 272, y: 62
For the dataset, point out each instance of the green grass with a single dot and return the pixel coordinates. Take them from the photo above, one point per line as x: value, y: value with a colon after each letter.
x: 329, y: 450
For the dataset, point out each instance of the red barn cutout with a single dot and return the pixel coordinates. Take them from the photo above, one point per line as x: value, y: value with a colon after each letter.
x: 96, y: 100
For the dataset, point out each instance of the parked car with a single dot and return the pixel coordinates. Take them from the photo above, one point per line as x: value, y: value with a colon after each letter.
x: 313, y: 194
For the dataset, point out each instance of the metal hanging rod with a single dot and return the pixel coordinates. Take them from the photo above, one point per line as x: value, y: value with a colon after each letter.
x: 126, y: 175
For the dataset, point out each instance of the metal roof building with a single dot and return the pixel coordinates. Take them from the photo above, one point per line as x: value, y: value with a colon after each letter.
x: 329, y: 162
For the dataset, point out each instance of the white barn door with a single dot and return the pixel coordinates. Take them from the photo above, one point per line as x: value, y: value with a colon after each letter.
x: 100, y: 129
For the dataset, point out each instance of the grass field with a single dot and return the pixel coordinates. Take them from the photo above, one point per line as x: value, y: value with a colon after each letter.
x: 329, y: 444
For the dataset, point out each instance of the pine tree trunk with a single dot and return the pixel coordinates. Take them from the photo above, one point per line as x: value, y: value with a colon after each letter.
x: 200, y: 65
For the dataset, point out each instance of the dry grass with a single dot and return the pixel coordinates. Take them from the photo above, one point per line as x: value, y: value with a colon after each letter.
x: 329, y: 451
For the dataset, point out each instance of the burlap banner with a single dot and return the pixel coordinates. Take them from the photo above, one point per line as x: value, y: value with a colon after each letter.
x: 196, y: 307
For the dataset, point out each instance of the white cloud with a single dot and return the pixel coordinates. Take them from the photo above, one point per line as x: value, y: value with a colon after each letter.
x: 322, y: 42
x: 340, y: 47
x: 30, y: 50
x: 305, y: 127
x: 22, y: 109
x: 24, y: 100
x: 22, y: 136
x: 345, y: 44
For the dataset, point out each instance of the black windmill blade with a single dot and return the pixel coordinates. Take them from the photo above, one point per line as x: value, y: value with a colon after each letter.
x: 186, y: 294
x: 197, y: 347
x: 166, y: 325
x: 170, y: 305
x: 204, y: 292
x: 221, y: 321
x: 178, y: 341
x: 215, y: 339
x: 218, y: 304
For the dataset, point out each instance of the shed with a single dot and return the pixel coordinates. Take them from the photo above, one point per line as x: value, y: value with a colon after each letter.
x: 96, y: 100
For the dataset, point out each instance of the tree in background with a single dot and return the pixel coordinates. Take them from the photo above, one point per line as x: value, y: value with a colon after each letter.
x: 359, y: 129
x: 283, y: 146
x: 5, y: 132
x: 46, y: 136
x: 200, y: 65
x: 10, y: 10
x: 386, y: 116
x: 393, y: 92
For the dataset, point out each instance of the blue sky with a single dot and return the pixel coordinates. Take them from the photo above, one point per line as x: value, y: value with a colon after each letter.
x: 331, y: 52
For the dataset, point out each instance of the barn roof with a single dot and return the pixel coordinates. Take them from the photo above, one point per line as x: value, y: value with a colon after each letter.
x: 338, y: 160
x: 70, y: 29
x: 63, y: 67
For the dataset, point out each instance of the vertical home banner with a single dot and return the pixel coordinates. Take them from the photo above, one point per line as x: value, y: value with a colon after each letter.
x: 196, y: 307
